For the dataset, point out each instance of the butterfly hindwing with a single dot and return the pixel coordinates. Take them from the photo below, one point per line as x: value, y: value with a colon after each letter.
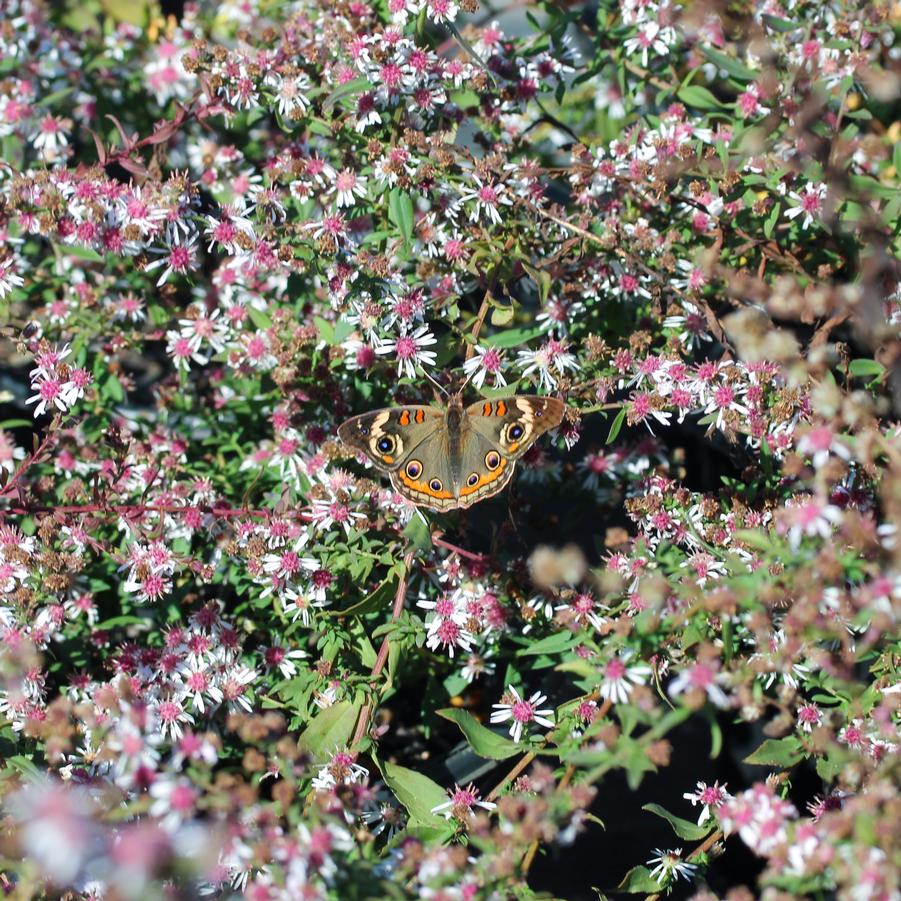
x: 425, y: 478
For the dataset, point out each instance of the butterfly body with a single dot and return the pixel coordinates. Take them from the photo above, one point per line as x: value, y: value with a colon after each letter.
x: 455, y: 456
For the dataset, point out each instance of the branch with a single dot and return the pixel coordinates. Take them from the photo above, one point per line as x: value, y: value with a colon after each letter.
x: 382, y: 658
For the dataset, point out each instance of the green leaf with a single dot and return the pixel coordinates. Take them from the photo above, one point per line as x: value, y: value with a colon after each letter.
x: 258, y: 317
x: 377, y: 599
x: 483, y: 741
x: 553, y: 644
x: 23, y: 765
x: 501, y: 315
x: 417, y: 532
x: 541, y: 278
x: 698, y: 97
x: 683, y: 828
x: 737, y: 70
x: 417, y: 793
x: 639, y: 881
x: 829, y: 768
x: 512, y: 337
x: 111, y: 389
x: 716, y: 738
x: 364, y: 646
x: 781, y: 25
x: 400, y: 213
x: 865, y: 368
x: 784, y: 752
x: 326, y: 330
x: 755, y: 538
x: 136, y: 12
x: 357, y: 86
x: 82, y: 253
x: 772, y: 220
x: 616, y: 425
x: 330, y: 729
x: 53, y: 99
x: 864, y: 186
x: 124, y: 620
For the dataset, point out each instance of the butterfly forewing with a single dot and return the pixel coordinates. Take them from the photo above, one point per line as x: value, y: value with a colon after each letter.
x: 388, y: 437
x: 514, y: 424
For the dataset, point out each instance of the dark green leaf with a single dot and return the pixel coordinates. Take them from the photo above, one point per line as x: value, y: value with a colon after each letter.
x: 553, y: 644
x: 349, y: 89
x: 616, y: 425
x: 864, y: 368
x: 400, y: 213
x: 512, y: 337
x: 330, y: 730
x: 736, y: 69
x: 683, y: 828
x: 483, y: 741
x: 639, y: 881
x: 123, y: 620
x: 784, y: 752
x: 417, y: 532
x: 378, y: 599
x: 698, y: 97
x: 417, y: 793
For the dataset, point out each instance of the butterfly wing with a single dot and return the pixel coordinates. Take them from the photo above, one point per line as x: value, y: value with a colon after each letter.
x: 388, y: 436
x: 410, y: 445
x: 501, y: 431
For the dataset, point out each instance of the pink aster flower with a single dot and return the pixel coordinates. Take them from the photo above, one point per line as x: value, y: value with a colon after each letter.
x: 521, y: 712
x: 410, y: 352
x: 710, y: 797
x: 461, y: 804
x: 486, y: 362
x: 701, y: 677
x: 620, y: 678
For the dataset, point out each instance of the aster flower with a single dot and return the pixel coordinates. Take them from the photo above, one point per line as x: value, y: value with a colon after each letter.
x: 488, y: 198
x: 290, y: 93
x: 9, y: 275
x: 347, y: 187
x: 670, y: 864
x: 521, y: 712
x: 484, y: 363
x: 807, y: 203
x: 710, y: 797
x: 410, y: 352
x: 701, y: 677
x: 177, y: 258
x: 620, y: 678
x: 461, y: 804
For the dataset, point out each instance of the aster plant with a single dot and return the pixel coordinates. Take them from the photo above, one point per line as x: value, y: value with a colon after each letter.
x: 235, y: 664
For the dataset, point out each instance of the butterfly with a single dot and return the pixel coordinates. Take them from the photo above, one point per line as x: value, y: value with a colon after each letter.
x: 455, y: 456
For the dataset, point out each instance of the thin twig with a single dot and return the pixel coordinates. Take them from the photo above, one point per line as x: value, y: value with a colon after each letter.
x: 439, y: 541
x: 520, y: 766
x: 483, y: 311
x: 382, y: 658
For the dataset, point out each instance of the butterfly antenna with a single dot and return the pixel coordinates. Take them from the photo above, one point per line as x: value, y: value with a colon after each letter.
x: 440, y: 387
x: 467, y: 380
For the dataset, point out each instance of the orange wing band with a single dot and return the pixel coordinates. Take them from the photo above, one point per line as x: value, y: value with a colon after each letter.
x: 484, y: 480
